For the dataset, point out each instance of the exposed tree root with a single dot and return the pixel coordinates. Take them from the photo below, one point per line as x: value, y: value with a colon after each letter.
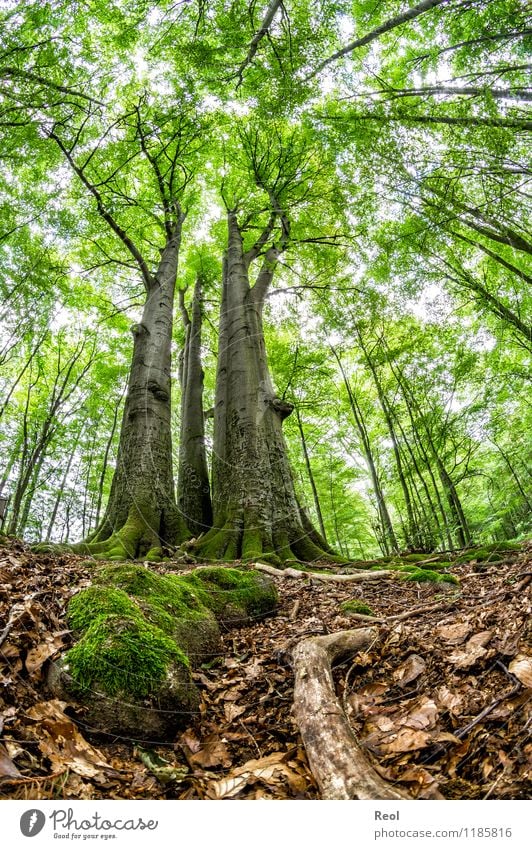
x: 138, y: 538
x: 340, y: 768
x: 322, y: 576
x: 241, y: 538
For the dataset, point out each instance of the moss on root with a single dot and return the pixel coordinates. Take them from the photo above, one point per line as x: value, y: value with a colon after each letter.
x: 137, y: 627
x: 123, y: 655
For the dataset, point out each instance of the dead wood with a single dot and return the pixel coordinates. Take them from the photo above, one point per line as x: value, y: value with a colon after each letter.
x: 297, y: 573
x: 338, y: 764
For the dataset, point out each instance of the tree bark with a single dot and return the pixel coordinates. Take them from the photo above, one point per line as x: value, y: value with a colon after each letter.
x: 142, y: 516
x: 317, y: 505
x: 194, y: 494
x: 256, y: 512
x: 388, y: 534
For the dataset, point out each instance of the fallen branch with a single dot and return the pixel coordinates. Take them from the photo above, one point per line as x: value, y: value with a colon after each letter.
x: 297, y: 573
x: 340, y: 768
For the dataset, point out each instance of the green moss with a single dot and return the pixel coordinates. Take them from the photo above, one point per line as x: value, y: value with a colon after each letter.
x: 136, y: 625
x: 122, y: 655
x: 422, y: 575
x: 94, y: 602
x: 171, y: 593
x: 354, y: 605
x: 249, y: 592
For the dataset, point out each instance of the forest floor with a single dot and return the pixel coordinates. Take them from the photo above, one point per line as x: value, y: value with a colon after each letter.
x: 440, y: 704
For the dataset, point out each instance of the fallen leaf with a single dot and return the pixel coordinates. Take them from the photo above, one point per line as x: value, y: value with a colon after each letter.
x: 7, y: 767
x: 37, y: 656
x: 163, y: 770
x: 424, y: 715
x: 473, y: 650
x: 61, y: 742
x: 411, y: 669
x: 521, y: 667
x: 232, y: 711
x: 406, y: 740
x: 213, y: 751
x: 454, y: 633
x: 450, y: 700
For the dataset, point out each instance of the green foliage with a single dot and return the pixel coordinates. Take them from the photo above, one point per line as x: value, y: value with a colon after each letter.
x: 401, y: 166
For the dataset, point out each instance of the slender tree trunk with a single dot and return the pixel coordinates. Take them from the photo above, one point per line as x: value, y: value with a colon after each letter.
x: 412, y: 402
x: 193, y: 489
x: 108, y: 446
x: 461, y: 525
x: 142, y: 515
x: 61, y: 489
x: 310, y: 474
x: 388, y: 534
x: 513, y: 474
x: 256, y: 512
x: 411, y: 531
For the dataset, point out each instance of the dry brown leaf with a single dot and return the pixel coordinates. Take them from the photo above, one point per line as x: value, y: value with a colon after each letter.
x: 411, y: 669
x: 406, y: 740
x: 455, y: 633
x: 226, y: 788
x: 449, y: 699
x: 61, y: 742
x: 7, y: 767
x: 473, y: 650
x: 212, y: 752
x: 38, y: 655
x: 521, y: 667
x: 232, y: 711
x: 425, y: 715
x: 271, y: 769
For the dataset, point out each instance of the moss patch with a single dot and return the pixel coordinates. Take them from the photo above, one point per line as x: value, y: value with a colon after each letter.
x: 137, y: 627
x: 426, y: 575
x: 354, y: 605
x: 123, y: 655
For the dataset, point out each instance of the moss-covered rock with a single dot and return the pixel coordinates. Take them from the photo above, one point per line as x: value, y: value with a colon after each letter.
x: 354, y: 605
x: 140, y: 634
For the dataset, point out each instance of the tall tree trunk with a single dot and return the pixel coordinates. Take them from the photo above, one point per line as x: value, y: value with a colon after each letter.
x: 108, y: 446
x: 412, y: 403
x: 463, y: 533
x: 142, y: 515
x: 193, y: 489
x: 256, y: 512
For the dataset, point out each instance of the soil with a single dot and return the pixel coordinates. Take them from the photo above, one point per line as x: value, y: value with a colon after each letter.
x: 440, y: 704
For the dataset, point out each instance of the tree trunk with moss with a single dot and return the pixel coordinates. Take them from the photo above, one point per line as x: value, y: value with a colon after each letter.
x: 142, y: 516
x: 193, y: 488
x: 256, y: 511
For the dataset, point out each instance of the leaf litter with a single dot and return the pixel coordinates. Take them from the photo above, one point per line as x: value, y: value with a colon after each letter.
x: 441, y: 703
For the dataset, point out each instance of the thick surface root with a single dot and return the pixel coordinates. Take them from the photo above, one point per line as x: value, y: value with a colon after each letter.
x: 339, y: 766
x: 323, y: 576
x: 236, y: 540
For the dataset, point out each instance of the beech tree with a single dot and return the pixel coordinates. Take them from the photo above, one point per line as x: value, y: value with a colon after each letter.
x: 359, y: 173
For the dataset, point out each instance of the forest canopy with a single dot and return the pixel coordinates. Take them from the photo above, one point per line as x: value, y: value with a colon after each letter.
x: 265, y: 276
